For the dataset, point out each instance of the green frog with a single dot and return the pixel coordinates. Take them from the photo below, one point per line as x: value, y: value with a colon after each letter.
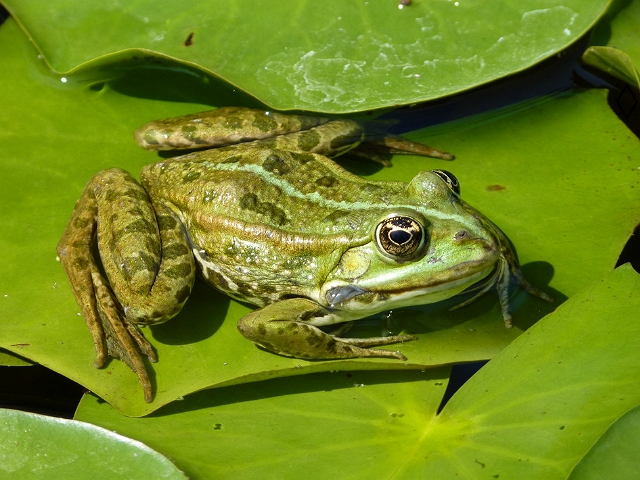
x: 268, y: 218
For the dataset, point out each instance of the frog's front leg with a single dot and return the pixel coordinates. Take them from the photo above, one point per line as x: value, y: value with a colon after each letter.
x: 146, y: 257
x: 285, y: 327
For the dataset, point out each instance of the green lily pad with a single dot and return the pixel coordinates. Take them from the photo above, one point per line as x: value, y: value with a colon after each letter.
x: 614, y: 62
x: 615, y: 454
x: 8, y: 359
x: 542, y: 171
x: 533, y: 412
x: 325, y: 425
x: 36, y: 447
x: 616, y: 48
x: 331, y: 56
x: 537, y: 408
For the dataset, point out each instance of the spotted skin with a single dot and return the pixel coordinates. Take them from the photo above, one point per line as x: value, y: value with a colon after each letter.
x: 225, y: 126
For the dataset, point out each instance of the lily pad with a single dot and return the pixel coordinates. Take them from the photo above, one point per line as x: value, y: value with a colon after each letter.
x: 8, y: 359
x: 542, y: 171
x: 616, y: 49
x: 331, y: 56
x: 614, y: 62
x: 532, y: 412
x: 36, y: 446
x: 615, y: 454
x: 539, y: 406
x: 324, y: 425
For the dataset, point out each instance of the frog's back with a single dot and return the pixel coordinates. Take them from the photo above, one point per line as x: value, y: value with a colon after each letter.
x: 295, y: 192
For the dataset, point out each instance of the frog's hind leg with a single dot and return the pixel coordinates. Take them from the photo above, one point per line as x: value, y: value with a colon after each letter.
x: 380, y: 150
x: 283, y: 327
x: 146, y: 258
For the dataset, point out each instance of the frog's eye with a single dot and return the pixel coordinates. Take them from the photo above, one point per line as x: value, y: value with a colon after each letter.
x: 399, y: 237
x: 450, y: 179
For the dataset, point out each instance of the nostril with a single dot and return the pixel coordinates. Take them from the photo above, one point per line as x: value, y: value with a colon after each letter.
x: 461, y: 235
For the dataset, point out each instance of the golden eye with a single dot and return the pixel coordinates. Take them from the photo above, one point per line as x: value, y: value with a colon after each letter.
x: 450, y: 179
x: 399, y: 237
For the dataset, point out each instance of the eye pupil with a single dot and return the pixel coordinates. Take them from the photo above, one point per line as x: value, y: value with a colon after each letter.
x: 399, y: 237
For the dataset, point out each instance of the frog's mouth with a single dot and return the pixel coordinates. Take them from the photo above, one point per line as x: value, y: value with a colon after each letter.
x: 354, y: 298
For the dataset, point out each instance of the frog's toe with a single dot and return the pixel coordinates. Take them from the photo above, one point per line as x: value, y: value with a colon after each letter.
x: 127, y: 344
x: 363, y: 345
x: 122, y: 338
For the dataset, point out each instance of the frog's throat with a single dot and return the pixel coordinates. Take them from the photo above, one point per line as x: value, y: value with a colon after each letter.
x: 361, y: 302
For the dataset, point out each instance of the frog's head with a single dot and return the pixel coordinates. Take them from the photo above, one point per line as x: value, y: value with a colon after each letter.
x: 429, y: 248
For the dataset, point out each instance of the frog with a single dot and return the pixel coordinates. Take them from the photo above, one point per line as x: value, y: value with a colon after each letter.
x: 260, y: 210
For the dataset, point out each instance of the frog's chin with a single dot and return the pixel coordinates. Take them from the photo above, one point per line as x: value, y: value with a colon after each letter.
x: 357, y: 302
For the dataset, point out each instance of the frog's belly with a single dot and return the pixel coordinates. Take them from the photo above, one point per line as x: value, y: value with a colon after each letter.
x: 259, y: 286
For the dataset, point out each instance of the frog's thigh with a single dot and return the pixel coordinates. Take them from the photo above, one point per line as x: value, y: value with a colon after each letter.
x: 144, y: 250
x: 283, y: 328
